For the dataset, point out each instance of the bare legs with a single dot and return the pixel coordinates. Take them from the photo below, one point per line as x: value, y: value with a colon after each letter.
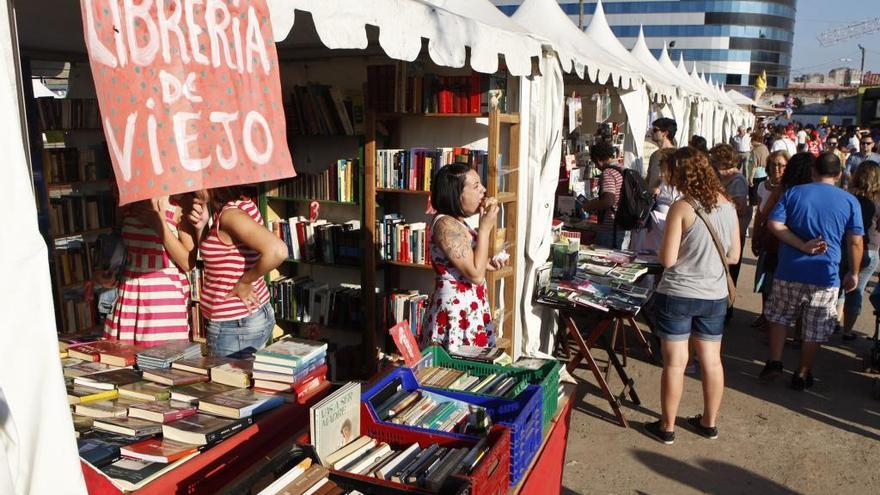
x: 675, y: 356
x: 777, y: 340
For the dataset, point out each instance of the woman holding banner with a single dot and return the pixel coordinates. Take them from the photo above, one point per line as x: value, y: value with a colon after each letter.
x: 153, y: 292
x: 238, y: 251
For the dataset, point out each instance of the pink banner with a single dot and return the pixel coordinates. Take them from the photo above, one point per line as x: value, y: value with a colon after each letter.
x: 189, y: 93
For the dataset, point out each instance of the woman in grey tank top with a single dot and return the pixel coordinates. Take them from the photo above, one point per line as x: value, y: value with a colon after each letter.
x: 691, y: 298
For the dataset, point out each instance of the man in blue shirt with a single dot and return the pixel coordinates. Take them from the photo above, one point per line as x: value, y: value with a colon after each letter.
x: 814, y: 222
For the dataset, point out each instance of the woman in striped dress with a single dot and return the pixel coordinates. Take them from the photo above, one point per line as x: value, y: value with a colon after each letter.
x: 151, y: 306
x: 238, y: 251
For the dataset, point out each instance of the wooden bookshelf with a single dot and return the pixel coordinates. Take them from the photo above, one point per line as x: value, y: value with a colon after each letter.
x: 502, y: 284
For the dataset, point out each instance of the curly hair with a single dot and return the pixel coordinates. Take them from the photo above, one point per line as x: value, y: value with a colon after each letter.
x: 723, y: 157
x: 799, y: 170
x: 690, y: 173
x: 866, y: 180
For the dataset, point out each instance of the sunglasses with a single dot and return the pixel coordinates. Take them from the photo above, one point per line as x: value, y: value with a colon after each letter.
x: 867, y: 143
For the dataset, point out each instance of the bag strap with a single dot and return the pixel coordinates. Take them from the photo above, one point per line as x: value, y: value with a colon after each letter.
x: 731, y: 287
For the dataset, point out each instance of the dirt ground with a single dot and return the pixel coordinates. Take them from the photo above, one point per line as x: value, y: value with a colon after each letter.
x: 771, y: 438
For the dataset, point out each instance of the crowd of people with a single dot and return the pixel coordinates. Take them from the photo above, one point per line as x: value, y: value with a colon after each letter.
x: 809, y: 199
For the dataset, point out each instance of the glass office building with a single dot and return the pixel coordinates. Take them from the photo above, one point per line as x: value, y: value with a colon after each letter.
x: 732, y: 41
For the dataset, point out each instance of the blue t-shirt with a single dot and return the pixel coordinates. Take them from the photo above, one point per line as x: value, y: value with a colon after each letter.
x: 810, y: 211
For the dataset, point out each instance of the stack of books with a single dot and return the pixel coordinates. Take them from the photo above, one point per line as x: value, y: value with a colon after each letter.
x: 488, y: 355
x: 494, y: 384
x: 430, y: 411
x: 425, y: 467
x: 162, y: 356
x: 110, y: 352
x: 291, y: 365
x: 304, y: 478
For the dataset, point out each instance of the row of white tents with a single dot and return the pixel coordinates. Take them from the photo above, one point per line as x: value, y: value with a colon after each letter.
x: 538, y: 43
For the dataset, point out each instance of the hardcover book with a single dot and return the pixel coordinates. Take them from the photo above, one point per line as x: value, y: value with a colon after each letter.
x: 336, y: 420
x: 169, y: 376
x: 162, y: 411
x: 131, y: 474
x: 201, y: 365
x: 204, y: 429
x: 144, y: 390
x: 291, y: 351
x: 236, y: 373
x: 239, y: 403
x: 109, y: 380
x: 196, y: 391
x: 133, y: 427
x: 155, y: 450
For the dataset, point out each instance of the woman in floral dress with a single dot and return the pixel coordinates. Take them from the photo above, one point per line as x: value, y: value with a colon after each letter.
x: 459, y: 312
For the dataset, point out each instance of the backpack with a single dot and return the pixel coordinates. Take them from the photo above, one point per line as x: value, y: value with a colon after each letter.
x: 110, y: 254
x: 635, y: 201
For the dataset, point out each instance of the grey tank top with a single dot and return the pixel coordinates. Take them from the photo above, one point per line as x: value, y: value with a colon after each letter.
x: 699, y: 272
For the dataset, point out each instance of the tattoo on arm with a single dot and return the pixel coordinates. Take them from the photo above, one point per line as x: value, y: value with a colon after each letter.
x: 453, y: 240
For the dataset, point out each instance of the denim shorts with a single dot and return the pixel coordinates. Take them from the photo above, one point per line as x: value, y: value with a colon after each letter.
x: 229, y: 336
x: 677, y: 317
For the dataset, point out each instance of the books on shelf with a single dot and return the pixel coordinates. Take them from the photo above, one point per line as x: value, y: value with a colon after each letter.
x: 335, y: 420
x: 403, y: 242
x: 339, y: 182
x: 319, y: 241
x: 405, y: 88
x: 72, y: 261
x: 399, y: 306
x: 162, y: 411
x: 321, y: 110
x: 77, y: 313
x: 204, y: 429
x: 68, y: 113
x: 303, y: 300
x: 414, y: 169
x: 81, y: 164
x: 161, y: 356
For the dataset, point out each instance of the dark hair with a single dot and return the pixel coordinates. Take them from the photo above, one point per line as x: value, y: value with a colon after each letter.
x: 798, y: 171
x: 699, y: 142
x: 668, y: 126
x: 601, y: 152
x: 225, y: 194
x: 446, y: 189
x: 827, y: 165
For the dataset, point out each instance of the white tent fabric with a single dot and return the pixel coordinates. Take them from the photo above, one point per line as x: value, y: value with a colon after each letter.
x: 739, y: 99
x: 603, y: 39
x: 674, y: 107
x: 38, y: 453
x: 576, y: 54
x: 342, y: 24
x: 542, y: 172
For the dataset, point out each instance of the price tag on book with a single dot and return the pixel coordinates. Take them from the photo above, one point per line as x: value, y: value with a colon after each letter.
x: 314, y: 211
x: 406, y: 343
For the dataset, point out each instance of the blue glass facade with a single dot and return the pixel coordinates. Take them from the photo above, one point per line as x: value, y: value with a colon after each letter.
x: 759, y: 33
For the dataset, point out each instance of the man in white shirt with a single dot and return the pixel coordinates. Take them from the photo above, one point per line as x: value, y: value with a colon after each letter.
x: 782, y: 142
x: 742, y: 143
x: 801, y: 139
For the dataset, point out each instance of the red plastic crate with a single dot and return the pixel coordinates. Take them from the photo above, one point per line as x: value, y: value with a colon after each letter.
x: 491, y: 476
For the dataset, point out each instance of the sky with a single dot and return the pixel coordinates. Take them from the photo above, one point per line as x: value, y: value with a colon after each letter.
x: 816, y: 16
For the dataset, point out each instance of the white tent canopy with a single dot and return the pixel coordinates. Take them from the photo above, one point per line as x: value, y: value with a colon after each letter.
x: 599, y: 32
x: 576, y: 53
x: 342, y: 24
x: 739, y: 99
x: 652, y: 67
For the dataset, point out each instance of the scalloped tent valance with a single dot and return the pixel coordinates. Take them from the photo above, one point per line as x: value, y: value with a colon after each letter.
x: 342, y: 24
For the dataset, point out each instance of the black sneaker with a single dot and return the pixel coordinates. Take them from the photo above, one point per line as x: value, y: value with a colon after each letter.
x: 798, y: 382
x: 771, y: 371
x: 710, y: 432
x: 808, y: 380
x: 667, y: 437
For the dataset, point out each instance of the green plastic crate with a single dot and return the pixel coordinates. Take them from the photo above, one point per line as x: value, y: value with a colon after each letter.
x: 547, y: 376
x: 437, y: 356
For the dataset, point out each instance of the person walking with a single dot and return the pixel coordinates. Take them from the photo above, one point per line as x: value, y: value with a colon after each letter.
x: 692, y: 297
x: 865, y: 187
x: 742, y: 143
x: 764, y: 245
x: 757, y: 173
x: 725, y: 162
x: 814, y: 222
x: 782, y: 142
x: 865, y: 152
x: 663, y: 131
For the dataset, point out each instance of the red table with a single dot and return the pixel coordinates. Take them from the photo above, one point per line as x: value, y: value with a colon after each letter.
x: 214, y: 468
x: 546, y: 469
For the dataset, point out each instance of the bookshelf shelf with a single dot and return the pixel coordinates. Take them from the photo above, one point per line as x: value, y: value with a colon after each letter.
x: 309, y: 200
x: 401, y: 264
x: 102, y: 230
x: 385, y: 190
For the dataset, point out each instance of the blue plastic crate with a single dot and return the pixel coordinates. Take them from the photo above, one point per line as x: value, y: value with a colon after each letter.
x: 521, y: 415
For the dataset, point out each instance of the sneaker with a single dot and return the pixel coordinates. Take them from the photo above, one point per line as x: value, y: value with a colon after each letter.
x: 653, y: 429
x: 710, y: 432
x: 771, y: 370
x: 798, y: 383
x: 848, y: 336
x: 808, y: 380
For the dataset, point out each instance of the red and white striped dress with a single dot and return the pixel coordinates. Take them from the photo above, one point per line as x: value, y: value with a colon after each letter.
x: 152, y: 303
x: 224, y: 266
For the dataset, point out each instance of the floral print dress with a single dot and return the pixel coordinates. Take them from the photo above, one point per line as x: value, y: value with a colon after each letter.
x: 459, y: 310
